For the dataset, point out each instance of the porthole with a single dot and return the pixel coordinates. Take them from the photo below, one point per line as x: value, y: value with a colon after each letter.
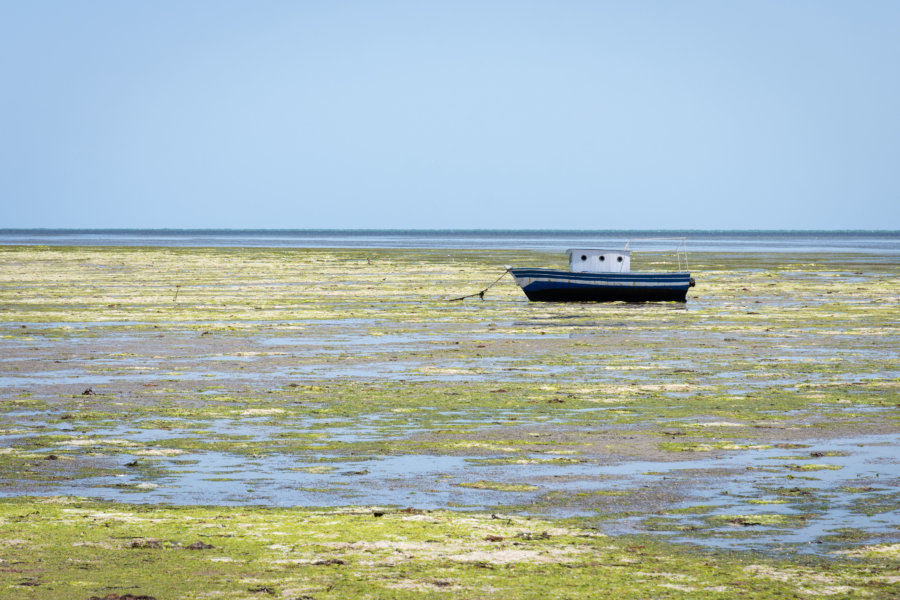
x: 602, y: 258
x: 583, y: 257
x: 619, y: 259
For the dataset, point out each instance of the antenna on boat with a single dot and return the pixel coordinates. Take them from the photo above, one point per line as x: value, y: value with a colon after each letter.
x: 680, y: 248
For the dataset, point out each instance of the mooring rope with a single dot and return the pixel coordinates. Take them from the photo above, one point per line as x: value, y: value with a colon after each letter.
x: 481, y: 293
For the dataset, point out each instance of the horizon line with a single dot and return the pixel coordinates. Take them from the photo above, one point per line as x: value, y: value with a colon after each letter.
x: 6, y: 230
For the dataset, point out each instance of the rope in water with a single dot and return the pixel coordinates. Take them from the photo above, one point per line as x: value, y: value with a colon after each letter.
x: 481, y: 293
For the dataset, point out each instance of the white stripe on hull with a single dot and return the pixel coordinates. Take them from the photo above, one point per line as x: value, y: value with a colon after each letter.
x: 526, y: 281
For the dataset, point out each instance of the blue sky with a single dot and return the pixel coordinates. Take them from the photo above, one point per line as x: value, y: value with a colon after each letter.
x: 455, y: 114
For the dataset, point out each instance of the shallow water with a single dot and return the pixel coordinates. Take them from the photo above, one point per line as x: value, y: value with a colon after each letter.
x: 432, y: 482
x: 882, y: 242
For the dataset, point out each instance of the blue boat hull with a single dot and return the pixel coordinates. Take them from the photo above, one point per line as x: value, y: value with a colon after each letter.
x: 550, y: 285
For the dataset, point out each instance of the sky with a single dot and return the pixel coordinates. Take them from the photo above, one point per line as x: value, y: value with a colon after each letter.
x: 488, y: 114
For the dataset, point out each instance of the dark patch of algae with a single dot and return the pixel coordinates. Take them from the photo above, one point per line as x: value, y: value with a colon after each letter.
x: 116, y: 361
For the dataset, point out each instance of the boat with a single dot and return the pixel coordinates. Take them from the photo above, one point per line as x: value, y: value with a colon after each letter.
x: 606, y: 276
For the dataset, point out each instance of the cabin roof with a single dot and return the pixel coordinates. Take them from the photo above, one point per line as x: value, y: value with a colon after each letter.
x: 592, y: 250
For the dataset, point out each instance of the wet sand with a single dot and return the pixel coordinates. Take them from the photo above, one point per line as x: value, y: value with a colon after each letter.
x: 325, y: 378
x: 760, y: 415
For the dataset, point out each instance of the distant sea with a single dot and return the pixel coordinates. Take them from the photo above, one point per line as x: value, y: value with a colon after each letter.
x: 871, y: 242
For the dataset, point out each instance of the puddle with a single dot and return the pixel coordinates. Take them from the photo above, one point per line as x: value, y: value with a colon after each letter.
x: 361, y: 339
x: 760, y: 479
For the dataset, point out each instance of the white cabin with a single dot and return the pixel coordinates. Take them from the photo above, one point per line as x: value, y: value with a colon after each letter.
x: 599, y: 261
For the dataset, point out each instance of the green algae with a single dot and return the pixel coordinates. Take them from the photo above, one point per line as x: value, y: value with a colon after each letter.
x: 756, y: 520
x: 875, y: 504
x: 498, y: 486
x: 333, y: 355
x: 814, y: 467
x: 65, y: 548
x: 709, y: 447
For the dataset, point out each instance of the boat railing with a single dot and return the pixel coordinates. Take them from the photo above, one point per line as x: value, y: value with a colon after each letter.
x: 680, y: 248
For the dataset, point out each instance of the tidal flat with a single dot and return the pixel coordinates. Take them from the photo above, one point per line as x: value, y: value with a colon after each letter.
x: 321, y: 423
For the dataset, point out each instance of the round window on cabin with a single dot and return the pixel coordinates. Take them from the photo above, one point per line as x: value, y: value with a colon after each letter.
x: 583, y: 257
x: 619, y: 259
x: 602, y: 258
